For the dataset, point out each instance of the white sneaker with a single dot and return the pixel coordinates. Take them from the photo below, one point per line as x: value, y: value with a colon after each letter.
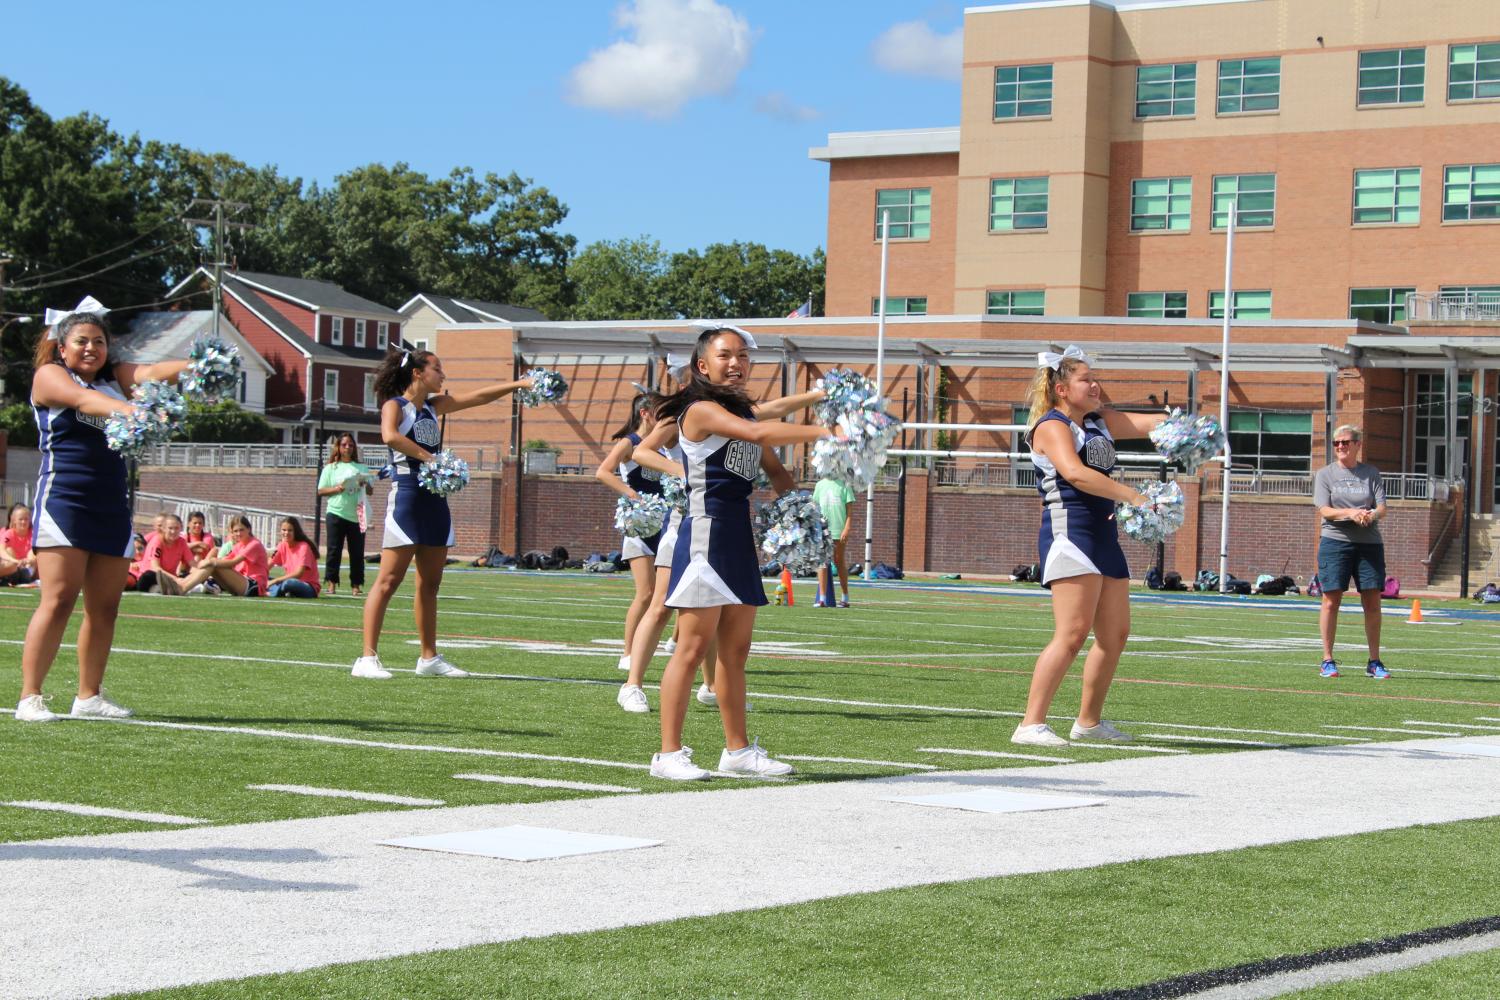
x: 1040, y: 735
x: 437, y: 667
x: 99, y: 707
x: 624, y: 663
x: 677, y: 766
x: 706, y: 696
x: 1103, y: 731
x: 371, y: 667
x: 632, y: 699
x: 670, y: 646
x: 33, y: 708
x: 753, y: 760
x: 197, y: 588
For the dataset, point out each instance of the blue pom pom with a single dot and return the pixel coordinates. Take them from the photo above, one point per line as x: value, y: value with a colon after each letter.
x: 445, y: 475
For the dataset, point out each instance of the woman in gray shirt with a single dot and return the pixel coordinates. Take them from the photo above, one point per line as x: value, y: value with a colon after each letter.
x: 1350, y: 499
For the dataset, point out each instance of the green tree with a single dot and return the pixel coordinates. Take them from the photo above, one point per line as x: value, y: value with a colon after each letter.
x: 226, y: 423
x: 619, y: 279
x: 729, y: 280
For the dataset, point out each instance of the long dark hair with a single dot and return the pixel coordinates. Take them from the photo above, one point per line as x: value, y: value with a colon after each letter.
x: 338, y: 439
x: 698, y: 387
x: 49, y: 351
x: 298, y: 535
x: 644, y: 401
x: 395, y: 372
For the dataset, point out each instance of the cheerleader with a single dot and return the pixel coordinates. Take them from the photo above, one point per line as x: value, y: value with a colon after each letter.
x: 417, y: 523
x: 620, y: 472
x: 715, y: 579
x: 1072, y: 448
x: 82, y: 533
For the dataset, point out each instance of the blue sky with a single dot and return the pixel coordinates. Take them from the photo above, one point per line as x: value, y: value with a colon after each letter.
x: 686, y: 120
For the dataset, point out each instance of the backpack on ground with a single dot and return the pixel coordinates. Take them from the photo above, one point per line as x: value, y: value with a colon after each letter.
x: 601, y: 566
x: 1206, y: 579
x: 1172, y: 581
x: 1154, y: 578
x: 1022, y: 573
x: 883, y: 571
x: 1237, y: 586
x: 1392, y: 587
x: 1314, y: 588
x: 1488, y: 594
x: 490, y: 554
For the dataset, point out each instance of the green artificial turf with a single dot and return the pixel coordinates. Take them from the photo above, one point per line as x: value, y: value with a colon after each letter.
x: 1470, y: 976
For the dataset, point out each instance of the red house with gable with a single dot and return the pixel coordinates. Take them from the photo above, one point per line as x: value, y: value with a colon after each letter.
x: 323, y: 342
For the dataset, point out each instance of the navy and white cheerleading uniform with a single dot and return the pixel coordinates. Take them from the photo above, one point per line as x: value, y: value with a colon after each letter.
x: 83, y: 501
x: 415, y: 515
x: 1079, y: 533
x: 643, y: 481
x: 714, y: 561
x: 667, y: 543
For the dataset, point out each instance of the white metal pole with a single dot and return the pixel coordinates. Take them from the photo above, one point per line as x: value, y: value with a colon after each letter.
x: 1224, y: 395
x: 885, y: 247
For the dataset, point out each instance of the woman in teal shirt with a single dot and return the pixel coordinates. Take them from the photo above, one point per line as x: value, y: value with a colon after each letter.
x: 345, y: 482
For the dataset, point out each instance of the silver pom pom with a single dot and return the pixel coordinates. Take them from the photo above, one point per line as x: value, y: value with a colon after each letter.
x: 1189, y: 441
x: 213, y: 371
x: 1160, y: 516
x: 642, y: 517
x: 445, y: 475
x: 547, y: 386
x: 156, y: 413
x: 793, y: 531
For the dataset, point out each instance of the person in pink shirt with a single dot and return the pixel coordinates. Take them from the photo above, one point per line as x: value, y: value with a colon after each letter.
x: 199, y: 540
x: 298, y: 559
x: 17, y: 560
x: 137, y: 562
x: 243, y: 572
x: 166, y: 559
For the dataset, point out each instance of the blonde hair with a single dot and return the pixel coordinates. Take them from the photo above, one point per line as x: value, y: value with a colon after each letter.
x: 1043, y: 386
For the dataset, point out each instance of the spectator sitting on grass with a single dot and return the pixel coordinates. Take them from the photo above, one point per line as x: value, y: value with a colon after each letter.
x: 155, y: 531
x: 167, y: 558
x: 242, y: 571
x: 298, y: 559
x: 137, y: 562
x: 199, y: 540
x: 17, y: 560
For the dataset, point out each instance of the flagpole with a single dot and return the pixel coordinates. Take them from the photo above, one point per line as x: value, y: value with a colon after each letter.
x: 885, y: 246
x: 1224, y: 396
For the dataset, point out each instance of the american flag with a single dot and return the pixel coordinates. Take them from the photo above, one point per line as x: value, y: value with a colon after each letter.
x: 802, y: 311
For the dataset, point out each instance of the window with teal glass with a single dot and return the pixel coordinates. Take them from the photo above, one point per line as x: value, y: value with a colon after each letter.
x: 1168, y: 91
x: 1023, y: 91
x: 1471, y: 192
x: 1018, y: 203
x: 1392, y: 76
x: 1249, y: 85
x: 901, y: 305
x: 1254, y: 304
x: 1473, y: 71
x: 1387, y: 196
x: 1158, y: 203
x: 1264, y: 441
x: 1379, y: 305
x: 911, y: 212
x: 1157, y: 305
x: 1026, y: 303
x: 1252, y: 197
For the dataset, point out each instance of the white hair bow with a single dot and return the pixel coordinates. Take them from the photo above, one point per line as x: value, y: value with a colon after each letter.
x: 704, y: 325
x: 1046, y: 359
x: 677, y: 364
x: 88, y: 304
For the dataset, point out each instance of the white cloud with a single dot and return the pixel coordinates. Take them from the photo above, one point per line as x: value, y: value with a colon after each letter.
x: 676, y: 50
x: 914, y: 49
x: 778, y: 105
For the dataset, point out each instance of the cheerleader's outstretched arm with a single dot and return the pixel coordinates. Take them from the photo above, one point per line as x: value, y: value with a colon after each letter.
x: 1054, y: 441
x: 648, y: 454
x: 51, y: 386
x: 453, y: 402
x: 775, y: 409
x: 130, y: 375
x: 1131, y: 425
x: 608, y: 471
x: 708, y: 418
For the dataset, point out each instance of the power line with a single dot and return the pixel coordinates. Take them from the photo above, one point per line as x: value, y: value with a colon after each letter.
x: 74, y: 279
x: 59, y: 269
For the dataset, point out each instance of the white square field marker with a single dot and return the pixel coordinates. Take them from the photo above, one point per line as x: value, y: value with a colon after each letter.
x: 521, y: 843
x: 995, y: 800
x: 1476, y: 749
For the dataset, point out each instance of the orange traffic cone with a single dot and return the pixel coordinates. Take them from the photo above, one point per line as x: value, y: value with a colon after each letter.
x: 786, y: 581
x: 1416, y: 612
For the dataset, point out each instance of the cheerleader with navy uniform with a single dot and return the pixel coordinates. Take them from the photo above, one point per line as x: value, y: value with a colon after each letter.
x: 418, y: 526
x: 82, y: 533
x: 621, y: 473
x: 1072, y: 446
x: 715, y: 580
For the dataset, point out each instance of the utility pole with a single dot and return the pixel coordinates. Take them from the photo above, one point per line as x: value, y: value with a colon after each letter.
x: 219, y: 223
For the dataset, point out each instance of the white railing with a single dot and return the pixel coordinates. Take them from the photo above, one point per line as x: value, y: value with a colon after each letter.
x: 1481, y: 307
x: 265, y: 523
x: 1398, y: 485
x: 293, y: 456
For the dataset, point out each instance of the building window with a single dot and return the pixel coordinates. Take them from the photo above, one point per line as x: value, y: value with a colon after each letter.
x: 370, y: 391
x: 1379, y: 305
x: 1158, y: 203
x: 1252, y: 198
x: 337, y: 338
x: 1392, y: 76
x: 1027, y: 303
x: 243, y: 389
x: 1157, y: 305
x: 1271, y: 442
x: 382, y: 336
x: 1166, y: 91
x: 359, y: 333
x: 1483, y: 295
x: 1249, y: 85
x: 1471, y: 192
x: 1473, y: 71
x: 331, y: 387
x: 419, y: 345
x: 1023, y: 91
x: 1247, y: 305
x: 1018, y: 203
x: 1386, y: 196
x: 901, y: 305
x: 911, y: 212
x: 1430, y: 431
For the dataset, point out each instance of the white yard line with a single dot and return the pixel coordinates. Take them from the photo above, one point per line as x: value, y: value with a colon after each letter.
x: 859, y: 760
x: 345, y: 793
x: 1124, y: 747
x: 1455, y: 725
x: 167, y: 819
x: 577, y: 786
x: 1231, y: 729
x: 1212, y: 739
x: 1384, y: 729
x: 1002, y: 754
